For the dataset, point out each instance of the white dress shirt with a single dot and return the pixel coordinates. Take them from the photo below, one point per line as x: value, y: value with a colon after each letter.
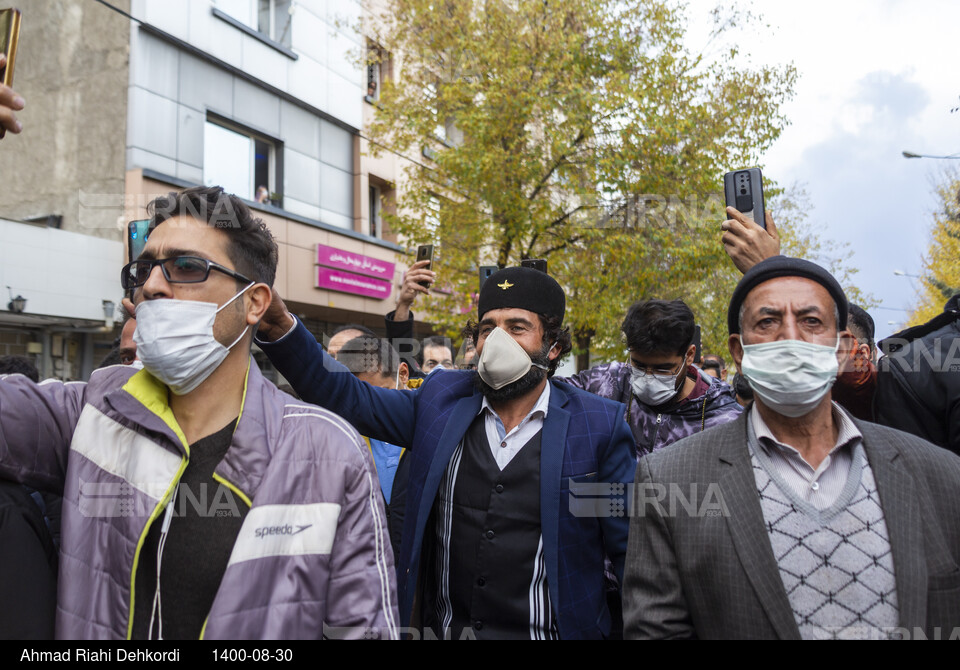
x: 505, y: 446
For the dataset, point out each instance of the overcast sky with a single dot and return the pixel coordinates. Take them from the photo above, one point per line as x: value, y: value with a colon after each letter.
x: 876, y: 77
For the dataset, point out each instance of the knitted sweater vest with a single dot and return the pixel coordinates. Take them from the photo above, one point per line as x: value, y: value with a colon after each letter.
x: 836, y: 564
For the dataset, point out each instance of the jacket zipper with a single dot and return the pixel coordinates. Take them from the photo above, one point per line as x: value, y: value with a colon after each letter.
x: 136, y: 556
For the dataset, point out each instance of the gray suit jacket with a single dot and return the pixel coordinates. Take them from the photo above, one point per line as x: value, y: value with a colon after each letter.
x: 706, y: 568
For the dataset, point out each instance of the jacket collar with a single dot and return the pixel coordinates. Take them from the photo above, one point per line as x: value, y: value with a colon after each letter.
x: 257, y: 432
x: 257, y: 429
x: 749, y: 532
x: 899, y: 498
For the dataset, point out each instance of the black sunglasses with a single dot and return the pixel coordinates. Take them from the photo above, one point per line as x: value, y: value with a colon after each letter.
x: 177, y: 270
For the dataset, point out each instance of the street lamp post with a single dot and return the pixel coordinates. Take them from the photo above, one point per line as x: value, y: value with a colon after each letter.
x: 911, y: 154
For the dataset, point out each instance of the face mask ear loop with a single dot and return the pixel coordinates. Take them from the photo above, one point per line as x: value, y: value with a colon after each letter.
x: 545, y: 367
x: 247, y: 288
x: 244, y: 331
x: 396, y: 384
x: 240, y: 337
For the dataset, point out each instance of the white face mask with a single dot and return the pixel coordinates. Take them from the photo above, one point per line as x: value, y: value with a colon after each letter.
x: 175, y: 341
x: 790, y: 376
x: 503, y: 360
x: 655, y: 390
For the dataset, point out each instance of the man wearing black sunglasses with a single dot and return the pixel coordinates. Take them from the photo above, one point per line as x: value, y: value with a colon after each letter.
x: 200, y: 501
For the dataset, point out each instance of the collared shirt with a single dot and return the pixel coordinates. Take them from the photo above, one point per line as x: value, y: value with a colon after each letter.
x: 386, y: 460
x: 505, y: 446
x: 821, y: 486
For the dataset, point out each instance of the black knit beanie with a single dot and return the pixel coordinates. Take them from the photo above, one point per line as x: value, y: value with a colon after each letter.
x: 784, y: 266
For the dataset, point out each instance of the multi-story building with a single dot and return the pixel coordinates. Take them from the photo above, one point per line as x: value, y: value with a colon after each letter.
x: 128, y: 99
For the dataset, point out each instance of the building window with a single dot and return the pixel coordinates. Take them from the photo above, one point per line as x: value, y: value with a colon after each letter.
x: 431, y: 218
x: 376, y: 211
x: 430, y: 94
x: 242, y: 162
x: 270, y: 17
x: 274, y: 20
x: 378, y: 70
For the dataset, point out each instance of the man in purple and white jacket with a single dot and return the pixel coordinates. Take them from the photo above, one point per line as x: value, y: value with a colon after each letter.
x: 199, y: 501
x: 666, y: 396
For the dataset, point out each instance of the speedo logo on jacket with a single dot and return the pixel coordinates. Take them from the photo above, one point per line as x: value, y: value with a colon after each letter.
x: 282, y: 530
x: 287, y: 529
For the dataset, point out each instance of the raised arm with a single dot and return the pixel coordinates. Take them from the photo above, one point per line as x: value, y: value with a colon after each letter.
x: 36, y: 427
x: 746, y: 242
x: 379, y: 413
x: 399, y: 322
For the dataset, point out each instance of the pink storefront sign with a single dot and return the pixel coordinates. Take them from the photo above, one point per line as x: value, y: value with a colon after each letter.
x: 345, y: 260
x: 348, y: 282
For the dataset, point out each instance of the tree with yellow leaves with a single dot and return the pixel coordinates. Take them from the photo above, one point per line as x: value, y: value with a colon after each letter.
x: 941, y: 265
x: 585, y: 132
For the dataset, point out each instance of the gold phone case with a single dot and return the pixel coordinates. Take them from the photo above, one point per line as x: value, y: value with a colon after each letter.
x: 9, y: 34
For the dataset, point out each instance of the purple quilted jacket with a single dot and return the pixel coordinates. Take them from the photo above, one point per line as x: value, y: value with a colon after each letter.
x: 654, y: 429
x: 312, y: 557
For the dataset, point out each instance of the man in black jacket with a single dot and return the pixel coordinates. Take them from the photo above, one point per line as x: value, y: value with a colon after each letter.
x: 28, y: 555
x: 28, y: 568
x: 918, y: 381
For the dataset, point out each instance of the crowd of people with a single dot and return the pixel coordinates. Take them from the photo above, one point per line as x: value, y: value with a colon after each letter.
x: 404, y: 488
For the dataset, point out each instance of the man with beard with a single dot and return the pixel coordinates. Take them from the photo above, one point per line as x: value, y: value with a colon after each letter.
x: 513, y: 499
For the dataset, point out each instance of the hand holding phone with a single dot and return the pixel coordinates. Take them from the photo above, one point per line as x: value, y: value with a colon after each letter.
x: 9, y: 36
x: 10, y: 102
x: 743, y: 190
x: 425, y: 253
x: 747, y: 243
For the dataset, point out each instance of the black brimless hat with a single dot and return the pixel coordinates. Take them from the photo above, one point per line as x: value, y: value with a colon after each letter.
x: 784, y: 266
x: 522, y: 288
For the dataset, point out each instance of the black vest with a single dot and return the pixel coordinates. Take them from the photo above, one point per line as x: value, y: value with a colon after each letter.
x: 490, y: 575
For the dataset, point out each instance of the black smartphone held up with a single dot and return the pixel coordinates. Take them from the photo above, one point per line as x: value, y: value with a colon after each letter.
x: 535, y: 263
x: 485, y: 272
x: 136, y: 238
x: 743, y: 190
x: 425, y: 253
x: 697, y: 341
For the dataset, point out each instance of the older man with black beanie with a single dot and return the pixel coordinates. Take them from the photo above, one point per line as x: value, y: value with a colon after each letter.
x: 516, y: 485
x: 806, y: 523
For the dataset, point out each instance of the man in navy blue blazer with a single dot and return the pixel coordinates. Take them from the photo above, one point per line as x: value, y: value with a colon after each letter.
x: 517, y: 482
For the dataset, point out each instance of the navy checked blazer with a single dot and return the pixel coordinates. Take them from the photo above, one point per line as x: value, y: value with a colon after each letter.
x: 585, y: 441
